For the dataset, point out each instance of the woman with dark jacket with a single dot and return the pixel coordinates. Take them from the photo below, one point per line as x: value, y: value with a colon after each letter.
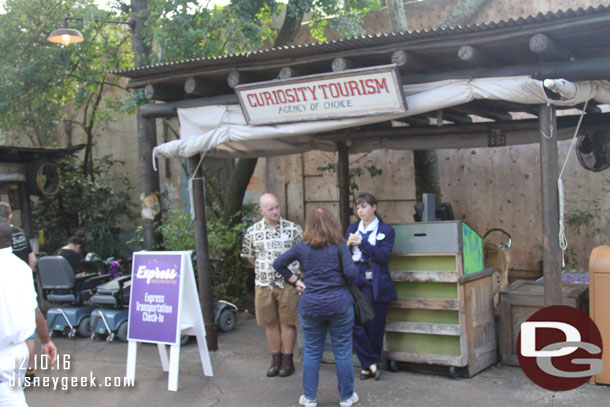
x: 371, y: 242
x: 325, y: 304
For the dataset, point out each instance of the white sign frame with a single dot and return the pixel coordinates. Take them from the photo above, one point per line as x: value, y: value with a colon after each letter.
x: 190, y: 322
x: 352, y: 93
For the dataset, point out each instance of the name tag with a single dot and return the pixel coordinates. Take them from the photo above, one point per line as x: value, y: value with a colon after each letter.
x: 368, y: 275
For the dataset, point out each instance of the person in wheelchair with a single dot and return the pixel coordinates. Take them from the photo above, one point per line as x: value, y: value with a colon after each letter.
x: 72, y: 252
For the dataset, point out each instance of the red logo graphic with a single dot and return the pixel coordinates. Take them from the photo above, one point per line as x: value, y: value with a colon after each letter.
x: 559, y: 348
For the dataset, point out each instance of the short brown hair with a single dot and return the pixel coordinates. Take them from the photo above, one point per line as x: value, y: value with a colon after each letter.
x: 5, y: 210
x: 322, y: 228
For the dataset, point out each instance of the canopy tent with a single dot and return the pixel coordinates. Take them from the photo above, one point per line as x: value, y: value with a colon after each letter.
x: 222, y: 130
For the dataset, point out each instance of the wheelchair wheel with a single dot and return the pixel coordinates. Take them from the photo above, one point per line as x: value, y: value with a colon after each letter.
x: 84, y: 328
x: 122, y: 332
x: 226, y: 320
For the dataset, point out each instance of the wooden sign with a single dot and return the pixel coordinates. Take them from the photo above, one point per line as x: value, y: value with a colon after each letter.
x: 358, y: 92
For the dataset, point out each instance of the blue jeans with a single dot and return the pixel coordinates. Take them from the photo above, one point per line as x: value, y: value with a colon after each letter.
x: 314, y: 332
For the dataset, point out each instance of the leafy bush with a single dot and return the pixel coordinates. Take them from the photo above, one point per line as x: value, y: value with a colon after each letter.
x: 98, y: 205
x: 230, y: 279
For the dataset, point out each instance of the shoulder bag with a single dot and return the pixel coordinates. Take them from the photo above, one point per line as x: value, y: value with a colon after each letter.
x: 363, y: 310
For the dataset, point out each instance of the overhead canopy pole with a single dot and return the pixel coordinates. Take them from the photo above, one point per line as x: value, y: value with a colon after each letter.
x: 549, y: 169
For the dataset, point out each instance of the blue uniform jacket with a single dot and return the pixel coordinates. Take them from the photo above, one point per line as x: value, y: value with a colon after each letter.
x: 383, y: 287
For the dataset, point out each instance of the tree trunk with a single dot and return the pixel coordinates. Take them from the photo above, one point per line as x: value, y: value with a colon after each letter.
x: 462, y: 13
x: 291, y: 25
x: 236, y: 188
x: 398, y: 19
x: 240, y: 178
x: 141, y: 45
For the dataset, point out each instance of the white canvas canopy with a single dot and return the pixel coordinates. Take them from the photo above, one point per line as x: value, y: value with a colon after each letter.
x: 222, y: 131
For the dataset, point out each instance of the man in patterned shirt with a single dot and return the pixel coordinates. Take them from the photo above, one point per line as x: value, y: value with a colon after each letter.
x: 275, y: 302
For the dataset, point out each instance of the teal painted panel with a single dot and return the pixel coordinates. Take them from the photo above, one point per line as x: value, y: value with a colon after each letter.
x: 472, y: 250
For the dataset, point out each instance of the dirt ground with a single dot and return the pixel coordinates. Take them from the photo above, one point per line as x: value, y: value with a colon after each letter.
x: 239, y: 380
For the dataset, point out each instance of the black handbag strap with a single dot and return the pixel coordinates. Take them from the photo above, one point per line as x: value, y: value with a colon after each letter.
x: 340, y: 253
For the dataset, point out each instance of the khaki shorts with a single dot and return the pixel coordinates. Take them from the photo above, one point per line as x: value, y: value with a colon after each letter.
x: 276, y: 305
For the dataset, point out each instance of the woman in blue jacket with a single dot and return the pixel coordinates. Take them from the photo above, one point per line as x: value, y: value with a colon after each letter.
x: 371, y: 242
x: 325, y: 304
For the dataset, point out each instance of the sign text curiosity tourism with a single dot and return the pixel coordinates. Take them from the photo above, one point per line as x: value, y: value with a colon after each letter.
x: 359, y: 92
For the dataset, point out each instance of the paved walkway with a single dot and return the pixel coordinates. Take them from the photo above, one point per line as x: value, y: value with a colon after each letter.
x: 239, y: 380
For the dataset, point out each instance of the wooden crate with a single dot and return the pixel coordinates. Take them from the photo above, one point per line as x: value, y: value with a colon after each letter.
x: 444, y: 312
x: 520, y: 300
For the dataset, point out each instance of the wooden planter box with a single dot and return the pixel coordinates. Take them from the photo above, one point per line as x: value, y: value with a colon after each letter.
x: 520, y: 300
x: 444, y: 312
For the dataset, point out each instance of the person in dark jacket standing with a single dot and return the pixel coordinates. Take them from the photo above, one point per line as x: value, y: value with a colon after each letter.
x: 325, y: 304
x: 371, y: 243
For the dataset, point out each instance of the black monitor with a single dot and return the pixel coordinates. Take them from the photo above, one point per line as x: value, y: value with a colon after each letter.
x: 443, y: 211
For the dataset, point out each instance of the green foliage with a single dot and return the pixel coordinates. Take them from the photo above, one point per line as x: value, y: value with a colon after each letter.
x: 354, y: 172
x: 42, y: 84
x: 229, y: 276
x: 187, y: 29
x: 99, y: 208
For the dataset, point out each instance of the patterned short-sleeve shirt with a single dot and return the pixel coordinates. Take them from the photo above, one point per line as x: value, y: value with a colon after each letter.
x: 265, y: 244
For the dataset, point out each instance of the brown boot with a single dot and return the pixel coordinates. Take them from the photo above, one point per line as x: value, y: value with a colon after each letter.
x: 276, y: 361
x: 287, y: 367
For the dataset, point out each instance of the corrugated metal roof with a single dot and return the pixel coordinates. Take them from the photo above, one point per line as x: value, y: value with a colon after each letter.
x: 328, y: 47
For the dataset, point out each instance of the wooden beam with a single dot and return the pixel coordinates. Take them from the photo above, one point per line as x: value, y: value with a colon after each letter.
x: 425, y: 276
x: 343, y: 64
x: 419, y: 120
x: 549, y: 50
x: 513, y: 107
x: 482, y: 110
x: 426, y: 303
x: 238, y: 78
x: 288, y: 72
x: 579, y: 70
x: 407, y: 62
x: 549, y: 168
x: 422, y: 328
x: 167, y: 110
x: 203, y: 87
x: 343, y: 180
x: 475, y: 56
x: 450, y: 115
x: 473, y: 128
x: 163, y: 92
x: 435, y: 359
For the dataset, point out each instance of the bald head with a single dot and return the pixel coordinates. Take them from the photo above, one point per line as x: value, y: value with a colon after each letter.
x: 269, y: 208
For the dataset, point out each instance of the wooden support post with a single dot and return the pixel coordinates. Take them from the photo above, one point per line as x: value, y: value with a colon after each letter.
x: 549, y: 169
x: 163, y: 92
x: 149, y: 179
x: 26, y: 210
x: 548, y: 49
x: 203, y: 256
x: 343, y: 179
x: 407, y: 62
